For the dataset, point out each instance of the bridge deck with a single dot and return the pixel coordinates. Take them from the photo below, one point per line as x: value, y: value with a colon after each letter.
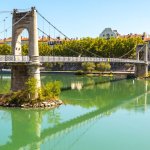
x: 25, y: 59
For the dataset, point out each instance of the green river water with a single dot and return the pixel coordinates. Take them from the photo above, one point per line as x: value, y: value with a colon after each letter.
x: 95, y: 116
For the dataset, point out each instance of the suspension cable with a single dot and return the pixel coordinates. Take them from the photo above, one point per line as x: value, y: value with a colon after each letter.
x: 55, y: 39
x: 93, y: 54
x: 61, y: 32
x: 70, y: 50
x: 40, y: 29
x: 52, y: 25
x: 45, y: 33
x: 15, y: 22
x: 142, y: 48
x: 4, y: 23
x: 5, y: 18
x: 130, y: 51
x: 125, y: 54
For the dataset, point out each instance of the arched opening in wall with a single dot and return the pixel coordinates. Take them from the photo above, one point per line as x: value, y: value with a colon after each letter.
x: 25, y: 42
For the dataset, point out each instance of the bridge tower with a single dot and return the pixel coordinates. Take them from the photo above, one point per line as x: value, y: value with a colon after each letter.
x: 142, y: 69
x: 21, y: 72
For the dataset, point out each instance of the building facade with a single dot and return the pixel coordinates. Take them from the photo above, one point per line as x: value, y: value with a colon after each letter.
x: 108, y: 33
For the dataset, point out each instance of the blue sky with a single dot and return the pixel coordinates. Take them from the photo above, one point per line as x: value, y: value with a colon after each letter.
x: 82, y: 18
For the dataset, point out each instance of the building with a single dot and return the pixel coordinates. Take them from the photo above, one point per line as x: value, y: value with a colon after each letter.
x: 45, y: 40
x: 6, y: 41
x: 108, y: 33
x: 9, y: 40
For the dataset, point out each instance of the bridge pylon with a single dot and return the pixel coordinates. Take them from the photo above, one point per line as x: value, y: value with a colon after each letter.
x: 21, y: 72
x: 142, y: 69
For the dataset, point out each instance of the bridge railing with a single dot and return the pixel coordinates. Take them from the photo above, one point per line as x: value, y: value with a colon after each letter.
x: 14, y: 58
x: 42, y: 59
x: 70, y: 59
x: 85, y: 59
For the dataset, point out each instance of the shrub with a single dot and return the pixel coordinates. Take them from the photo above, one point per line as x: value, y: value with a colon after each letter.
x: 51, y: 90
x: 88, y: 66
x: 33, y: 94
x: 31, y: 89
x: 103, y: 66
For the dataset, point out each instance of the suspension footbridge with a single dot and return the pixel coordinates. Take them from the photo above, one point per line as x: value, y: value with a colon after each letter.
x: 23, y: 67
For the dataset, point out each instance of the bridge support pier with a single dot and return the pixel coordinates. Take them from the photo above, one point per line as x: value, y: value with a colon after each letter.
x: 21, y: 73
x: 141, y: 70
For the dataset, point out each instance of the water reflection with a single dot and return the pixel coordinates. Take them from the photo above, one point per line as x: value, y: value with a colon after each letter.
x: 65, y: 128
x: 68, y: 81
x: 44, y: 129
x: 4, y: 83
x: 103, y: 94
x: 76, y: 85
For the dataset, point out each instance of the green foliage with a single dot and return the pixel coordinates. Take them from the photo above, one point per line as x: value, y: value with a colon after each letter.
x: 25, y: 49
x: 31, y: 88
x: 45, y: 49
x: 5, y: 49
x: 103, y: 66
x: 47, y: 65
x: 26, y: 95
x: 51, y: 90
x: 128, y: 65
x: 88, y: 66
x: 114, y: 47
x: 18, y: 97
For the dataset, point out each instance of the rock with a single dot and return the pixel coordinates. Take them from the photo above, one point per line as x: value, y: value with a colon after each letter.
x: 53, y: 104
x: 45, y: 104
x: 6, y: 105
x: 1, y: 103
x: 41, y: 105
x: 35, y: 105
x: 48, y: 105
x: 59, y: 102
x: 23, y: 105
x: 12, y: 105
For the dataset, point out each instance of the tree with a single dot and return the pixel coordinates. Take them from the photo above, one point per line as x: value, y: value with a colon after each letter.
x: 25, y: 49
x: 88, y: 66
x: 87, y: 47
x: 45, y: 49
x: 103, y: 66
x: 5, y: 49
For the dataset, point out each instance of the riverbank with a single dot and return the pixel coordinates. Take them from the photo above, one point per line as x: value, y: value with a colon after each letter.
x: 8, y: 71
